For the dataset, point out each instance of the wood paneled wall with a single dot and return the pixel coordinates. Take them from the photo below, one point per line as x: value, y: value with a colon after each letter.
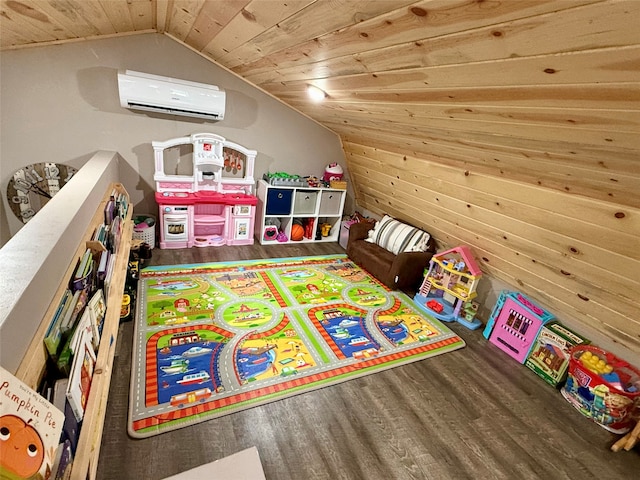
x: 577, y: 255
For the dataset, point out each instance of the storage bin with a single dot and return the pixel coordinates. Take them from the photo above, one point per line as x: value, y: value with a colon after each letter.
x: 330, y: 203
x: 145, y: 228
x: 278, y: 201
x: 344, y: 234
x: 305, y: 202
x: 602, y: 387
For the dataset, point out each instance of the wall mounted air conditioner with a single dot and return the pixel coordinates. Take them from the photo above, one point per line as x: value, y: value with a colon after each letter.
x: 143, y: 91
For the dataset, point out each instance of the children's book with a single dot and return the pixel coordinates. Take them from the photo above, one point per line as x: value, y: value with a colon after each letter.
x: 98, y: 308
x: 30, y: 427
x: 83, y: 331
x: 110, y: 268
x: 102, y: 268
x: 64, y: 461
x: 82, y: 328
x: 53, y: 336
x: 82, y: 276
x: 83, y: 265
x: 84, y: 361
x: 78, y: 302
x: 71, y: 427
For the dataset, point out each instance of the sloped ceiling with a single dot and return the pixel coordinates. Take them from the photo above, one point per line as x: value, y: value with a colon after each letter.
x: 508, y: 125
x: 538, y: 89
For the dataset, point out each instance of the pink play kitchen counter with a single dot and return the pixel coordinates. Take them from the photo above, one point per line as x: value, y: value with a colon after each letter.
x: 201, y: 220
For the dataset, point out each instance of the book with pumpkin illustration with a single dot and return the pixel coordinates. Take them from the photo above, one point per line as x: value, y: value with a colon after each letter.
x: 30, y: 429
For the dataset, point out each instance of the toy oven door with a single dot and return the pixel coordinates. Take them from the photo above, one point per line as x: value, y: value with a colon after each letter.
x: 176, y: 226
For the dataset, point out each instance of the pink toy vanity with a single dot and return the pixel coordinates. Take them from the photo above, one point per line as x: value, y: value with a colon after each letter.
x: 208, y: 201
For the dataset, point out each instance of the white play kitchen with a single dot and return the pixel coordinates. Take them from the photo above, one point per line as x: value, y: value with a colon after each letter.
x: 206, y: 201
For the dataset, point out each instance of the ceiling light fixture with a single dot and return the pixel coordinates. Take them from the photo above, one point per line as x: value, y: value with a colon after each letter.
x: 316, y: 94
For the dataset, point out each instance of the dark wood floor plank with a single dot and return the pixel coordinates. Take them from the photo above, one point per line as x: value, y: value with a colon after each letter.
x: 470, y: 414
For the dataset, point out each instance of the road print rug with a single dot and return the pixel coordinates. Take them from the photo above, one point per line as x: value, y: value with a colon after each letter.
x: 213, y: 339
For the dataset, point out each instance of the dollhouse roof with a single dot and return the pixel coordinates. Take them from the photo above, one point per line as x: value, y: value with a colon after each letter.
x: 465, y: 255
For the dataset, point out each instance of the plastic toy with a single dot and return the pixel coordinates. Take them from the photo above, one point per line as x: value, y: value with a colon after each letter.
x: 603, y: 388
x: 285, y: 179
x: 270, y: 232
x: 297, y: 232
x: 333, y: 171
x: 549, y: 356
x: 308, y: 224
x: 515, y: 323
x: 435, y: 306
x: 210, y: 204
x: 449, y: 286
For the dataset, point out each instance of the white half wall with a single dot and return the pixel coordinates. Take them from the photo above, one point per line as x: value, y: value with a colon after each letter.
x: 33, y: 262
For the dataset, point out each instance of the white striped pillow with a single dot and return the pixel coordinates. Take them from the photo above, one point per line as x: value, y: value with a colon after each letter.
x: 396, y: 236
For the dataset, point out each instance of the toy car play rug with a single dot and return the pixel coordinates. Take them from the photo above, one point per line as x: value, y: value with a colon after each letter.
x: 213, y: 339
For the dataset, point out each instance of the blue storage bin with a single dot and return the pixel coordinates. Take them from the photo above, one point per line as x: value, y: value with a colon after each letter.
x: 279, y: 201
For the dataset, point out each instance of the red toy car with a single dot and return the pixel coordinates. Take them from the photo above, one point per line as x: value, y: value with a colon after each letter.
x: 435, y: 306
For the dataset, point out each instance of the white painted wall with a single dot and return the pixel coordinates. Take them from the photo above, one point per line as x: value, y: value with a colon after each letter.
x: 60, y: 103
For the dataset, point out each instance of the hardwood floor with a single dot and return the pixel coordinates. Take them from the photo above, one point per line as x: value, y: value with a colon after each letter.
x: 474, y: 413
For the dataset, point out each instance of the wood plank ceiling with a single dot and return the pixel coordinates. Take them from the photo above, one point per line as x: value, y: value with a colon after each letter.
x: 508, y: 125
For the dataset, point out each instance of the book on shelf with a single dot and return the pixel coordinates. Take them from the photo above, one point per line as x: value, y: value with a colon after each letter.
x: 65, y: 357
x: 97, y: 308
x: 100, y: 235
x: 60, y: 393
x: 84, y: 265
x: 102, y: 268
x: 53, y: 335
x: 81, y: 376
x: 82, y: 277
x: 45, y: 389
x: 79, y: 301
x: 67, y: 320
x: 82, y: 330
x: 114, y: 235
x: 71, y: 426
x: 109, y: 212
x: 117, y: 207
x: 107, y: 280
x: 64, y: 460
x: 121, y: 202
x: 31, y: 428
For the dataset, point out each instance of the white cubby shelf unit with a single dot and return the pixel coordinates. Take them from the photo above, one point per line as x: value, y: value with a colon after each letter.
x: 318, y: 210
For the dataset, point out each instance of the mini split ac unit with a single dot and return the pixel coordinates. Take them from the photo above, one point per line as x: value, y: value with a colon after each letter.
x: 143, y: 91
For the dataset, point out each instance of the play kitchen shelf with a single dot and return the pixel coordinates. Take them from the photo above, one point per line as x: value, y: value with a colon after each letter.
x: 298, y: 214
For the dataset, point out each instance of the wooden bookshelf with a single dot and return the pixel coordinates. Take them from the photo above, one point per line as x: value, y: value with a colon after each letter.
x: 32, y: 367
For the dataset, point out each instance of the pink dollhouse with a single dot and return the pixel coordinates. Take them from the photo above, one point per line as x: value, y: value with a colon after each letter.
x: 515, y: 323
x: 449, y: 287
x: 207, y: 200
